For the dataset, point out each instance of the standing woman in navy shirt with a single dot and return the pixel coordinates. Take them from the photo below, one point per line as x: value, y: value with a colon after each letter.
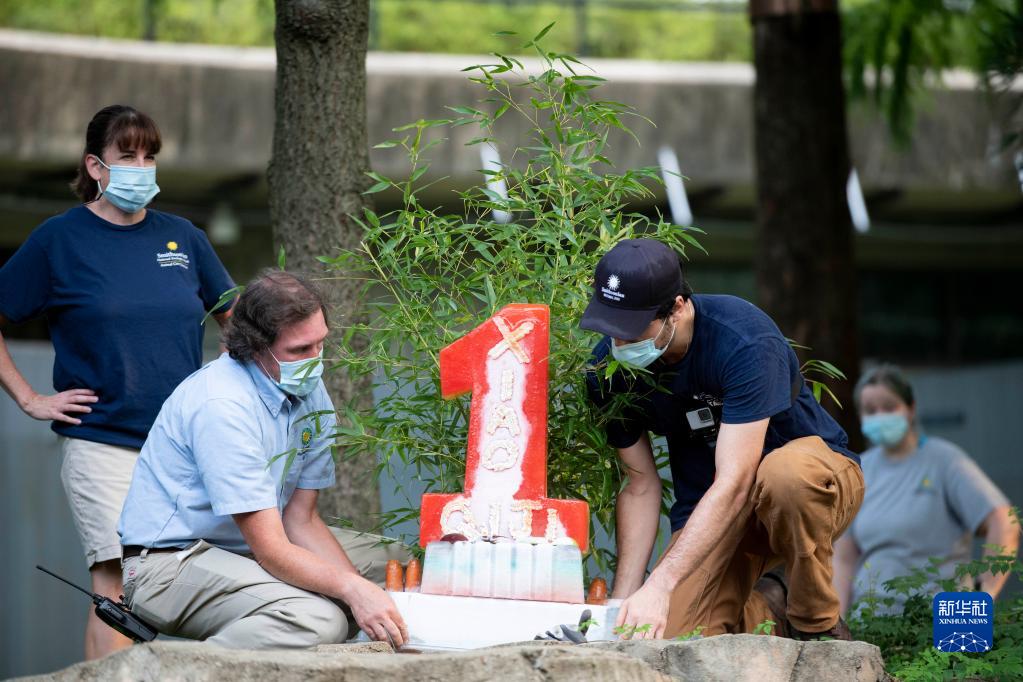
x: 124, y: 289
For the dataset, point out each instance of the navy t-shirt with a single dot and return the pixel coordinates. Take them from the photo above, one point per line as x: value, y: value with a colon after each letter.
x: 739, y: 369
x: 124, y: 306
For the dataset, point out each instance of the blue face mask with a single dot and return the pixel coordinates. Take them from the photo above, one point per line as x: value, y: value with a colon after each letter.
x: 886, y: 429
x: 131, y: 188
x: 299, y: 377
x: 642, y: 353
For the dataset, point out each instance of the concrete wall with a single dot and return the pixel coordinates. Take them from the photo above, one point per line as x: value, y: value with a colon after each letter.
x: 215, y: 106
x: 977, y: 408
x: 42, y: 620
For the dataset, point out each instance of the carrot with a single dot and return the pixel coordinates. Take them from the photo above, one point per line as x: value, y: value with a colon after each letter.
x: 394, y: 576
x: 413, y: 576
x: 598, y: 592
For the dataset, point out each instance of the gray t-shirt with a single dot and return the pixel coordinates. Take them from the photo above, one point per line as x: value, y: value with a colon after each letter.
x: 928, y: 504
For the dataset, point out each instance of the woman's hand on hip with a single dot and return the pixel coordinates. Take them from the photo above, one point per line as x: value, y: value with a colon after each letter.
x: 61, y: 407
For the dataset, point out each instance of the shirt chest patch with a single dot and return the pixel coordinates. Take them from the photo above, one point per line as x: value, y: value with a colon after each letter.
x: 927, y: 485
x: 172, y: 257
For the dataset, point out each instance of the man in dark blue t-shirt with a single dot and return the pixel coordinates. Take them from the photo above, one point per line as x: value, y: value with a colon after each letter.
x: 761, y: 472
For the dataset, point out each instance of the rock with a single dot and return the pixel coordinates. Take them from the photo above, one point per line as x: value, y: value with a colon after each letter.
x: 757, y: 658
x: 197, y: 662
x: 834, y: 660
x: 355, y: 648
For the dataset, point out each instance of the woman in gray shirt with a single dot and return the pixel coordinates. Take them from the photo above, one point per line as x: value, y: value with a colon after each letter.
x: 924, y: 498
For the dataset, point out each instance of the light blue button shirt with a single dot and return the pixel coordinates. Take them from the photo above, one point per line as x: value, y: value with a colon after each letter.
x: 226, y: 441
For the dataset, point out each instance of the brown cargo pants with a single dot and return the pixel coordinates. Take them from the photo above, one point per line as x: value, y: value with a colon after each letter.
x: 804, y: 497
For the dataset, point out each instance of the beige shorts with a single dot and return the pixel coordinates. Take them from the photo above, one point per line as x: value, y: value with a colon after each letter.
x: 96, y: 477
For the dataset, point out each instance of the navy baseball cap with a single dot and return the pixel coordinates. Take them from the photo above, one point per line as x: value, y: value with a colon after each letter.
x: 632, y: 281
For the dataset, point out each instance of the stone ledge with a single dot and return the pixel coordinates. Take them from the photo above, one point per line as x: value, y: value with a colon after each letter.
x: 197, y: 662
x: 756, y: 658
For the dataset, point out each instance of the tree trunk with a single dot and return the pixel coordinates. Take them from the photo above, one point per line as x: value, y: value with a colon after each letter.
x: 805, y: 269
x: 316, y: 179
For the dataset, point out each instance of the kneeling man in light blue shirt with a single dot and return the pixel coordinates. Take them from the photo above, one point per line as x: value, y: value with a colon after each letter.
x: 221, y: 537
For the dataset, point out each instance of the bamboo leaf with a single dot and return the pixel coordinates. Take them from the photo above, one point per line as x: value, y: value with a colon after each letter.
x: 378, y: 187
x: 543, y: 32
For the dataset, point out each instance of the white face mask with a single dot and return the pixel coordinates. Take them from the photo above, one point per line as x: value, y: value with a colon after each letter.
x: 642, y: 353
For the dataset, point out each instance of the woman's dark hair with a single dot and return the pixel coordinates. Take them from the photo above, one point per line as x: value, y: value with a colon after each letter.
x: 118, y: 124
x: 272, y: 301
x: 665, y: 310
x: 889, y: 376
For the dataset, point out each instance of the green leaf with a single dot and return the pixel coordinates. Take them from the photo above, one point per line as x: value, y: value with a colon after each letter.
x: 280, y: 258
x: 491, y: 295
x: 467, y: 111
x: 422, y: 124
x: 543, y: 32
x: 693, y: 241
x: 224, y: 299
x: 418, y: 173
x: 378, y: 187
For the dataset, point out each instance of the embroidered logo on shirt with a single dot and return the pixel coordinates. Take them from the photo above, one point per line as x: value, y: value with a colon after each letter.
x: 307, y: 436
x: 926, y: 485
x: 172, y: 258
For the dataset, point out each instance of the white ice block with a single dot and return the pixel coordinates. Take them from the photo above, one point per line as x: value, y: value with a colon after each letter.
x: 503, y: 570
x: 522, y: 570
x: 537, y: 570
x: 543, y: 572
x: 437, y: 568
x: 461, y: 569
x: 482, y: 569
x: 442, y: 623
x: 568, y: 574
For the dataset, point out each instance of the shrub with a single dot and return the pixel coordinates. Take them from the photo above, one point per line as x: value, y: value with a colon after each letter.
x: 429, y: 276
x: 905, y: 638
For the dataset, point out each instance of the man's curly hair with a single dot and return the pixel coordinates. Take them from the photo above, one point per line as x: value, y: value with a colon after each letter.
x: 272, y: 301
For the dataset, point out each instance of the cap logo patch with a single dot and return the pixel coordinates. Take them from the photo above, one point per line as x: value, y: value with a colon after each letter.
x: 611, y: 291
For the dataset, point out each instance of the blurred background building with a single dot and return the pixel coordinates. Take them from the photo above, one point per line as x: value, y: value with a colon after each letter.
x: 939, y: 214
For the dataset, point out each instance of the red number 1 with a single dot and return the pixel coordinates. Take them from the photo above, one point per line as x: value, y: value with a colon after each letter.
x: 504, y: 363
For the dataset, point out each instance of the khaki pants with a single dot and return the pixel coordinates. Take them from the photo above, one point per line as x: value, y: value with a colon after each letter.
x: 208, y: 593
x: 804, y: 497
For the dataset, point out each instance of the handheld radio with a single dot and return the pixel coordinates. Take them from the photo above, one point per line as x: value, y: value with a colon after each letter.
x: 116, y: 615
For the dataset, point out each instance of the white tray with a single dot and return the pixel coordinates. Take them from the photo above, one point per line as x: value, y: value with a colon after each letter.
x: 443, y: 623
